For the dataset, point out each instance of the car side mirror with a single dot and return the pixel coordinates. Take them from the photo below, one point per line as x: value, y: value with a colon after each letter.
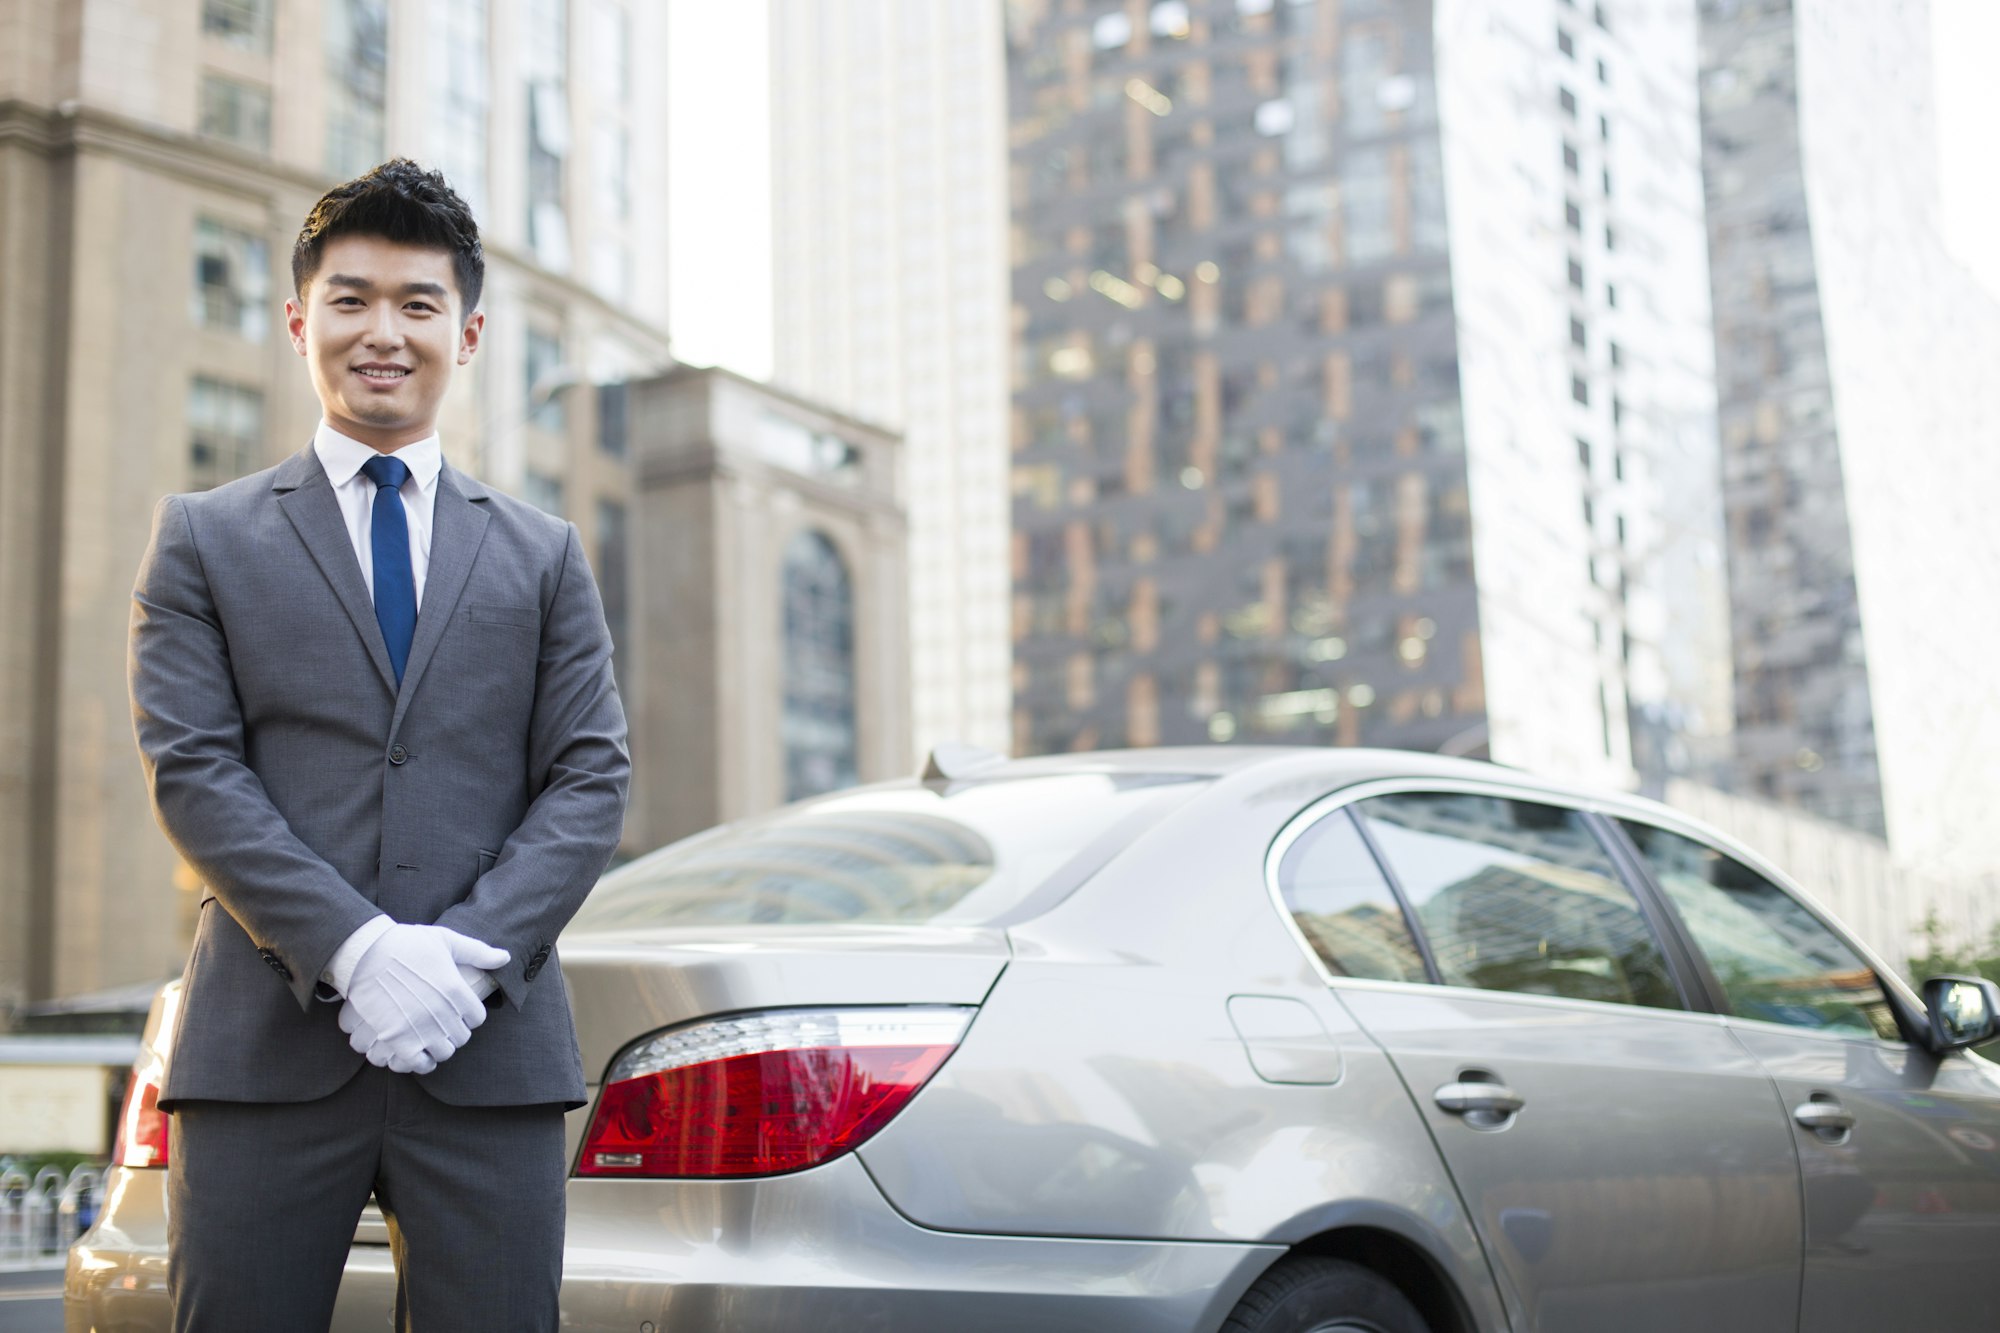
x: 1965, y: 1011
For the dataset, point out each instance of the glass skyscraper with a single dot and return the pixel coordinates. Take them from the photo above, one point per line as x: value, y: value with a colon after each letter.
x: 1362, y: 388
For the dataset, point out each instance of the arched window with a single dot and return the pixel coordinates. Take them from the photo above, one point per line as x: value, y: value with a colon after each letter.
x: 818, y: 725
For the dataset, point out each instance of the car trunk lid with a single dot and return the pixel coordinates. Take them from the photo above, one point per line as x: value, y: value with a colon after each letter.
x: 626, y: 985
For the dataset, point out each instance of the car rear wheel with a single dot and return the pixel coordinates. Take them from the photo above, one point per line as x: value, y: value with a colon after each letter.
x: 1309, y: 1295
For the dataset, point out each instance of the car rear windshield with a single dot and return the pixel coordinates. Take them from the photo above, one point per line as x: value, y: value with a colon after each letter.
x: 971, y: 853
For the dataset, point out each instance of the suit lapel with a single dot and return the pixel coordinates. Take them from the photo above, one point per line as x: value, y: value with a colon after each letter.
x: 458, y: 525
x: 309, y: 502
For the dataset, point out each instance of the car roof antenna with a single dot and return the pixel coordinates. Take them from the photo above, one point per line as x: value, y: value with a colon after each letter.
x: 951, y: 760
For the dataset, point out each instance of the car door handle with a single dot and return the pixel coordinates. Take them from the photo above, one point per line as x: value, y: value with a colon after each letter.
x: 1827, y: 1115
x: 1493, y: 1098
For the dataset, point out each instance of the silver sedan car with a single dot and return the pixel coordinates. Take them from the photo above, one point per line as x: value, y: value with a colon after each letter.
x: 1228, y: 1039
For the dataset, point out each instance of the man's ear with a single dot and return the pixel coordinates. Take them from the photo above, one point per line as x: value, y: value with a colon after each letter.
x: 468, y: 337
x: 295, y: 322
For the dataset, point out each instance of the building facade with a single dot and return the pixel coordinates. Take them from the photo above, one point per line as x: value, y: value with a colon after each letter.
x: 157, y: 158
x: 889, y: 161
x: 1363, y: 391
x: 1857, y: 409
x: 770, y: 654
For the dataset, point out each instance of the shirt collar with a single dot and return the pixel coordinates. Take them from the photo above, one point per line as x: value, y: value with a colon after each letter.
x: 343, y: 456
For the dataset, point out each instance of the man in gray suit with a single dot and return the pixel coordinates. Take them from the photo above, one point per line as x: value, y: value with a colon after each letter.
x: 375, y: 706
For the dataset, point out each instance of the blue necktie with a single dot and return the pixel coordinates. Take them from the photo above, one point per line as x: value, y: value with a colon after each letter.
x: 389, y: 538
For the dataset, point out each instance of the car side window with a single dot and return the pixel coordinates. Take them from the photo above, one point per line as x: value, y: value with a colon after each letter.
x: 1344, y: 907
x: 1519, y: 896
x: 1774, y: 959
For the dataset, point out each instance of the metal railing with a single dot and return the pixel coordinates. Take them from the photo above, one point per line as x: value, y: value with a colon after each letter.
x: 40, y: 1216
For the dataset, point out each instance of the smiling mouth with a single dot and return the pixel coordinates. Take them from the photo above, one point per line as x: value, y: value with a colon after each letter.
x: 367, y: 373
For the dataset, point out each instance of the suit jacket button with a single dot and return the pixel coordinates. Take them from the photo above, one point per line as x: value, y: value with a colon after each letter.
x: 397, y: 754
x: 532, y: 970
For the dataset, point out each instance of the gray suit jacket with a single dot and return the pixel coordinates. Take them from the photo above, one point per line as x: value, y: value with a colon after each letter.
x: 309, y: 792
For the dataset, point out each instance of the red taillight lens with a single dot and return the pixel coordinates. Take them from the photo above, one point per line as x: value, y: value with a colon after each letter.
x: 143, y: 1128
x: 763, y: 1093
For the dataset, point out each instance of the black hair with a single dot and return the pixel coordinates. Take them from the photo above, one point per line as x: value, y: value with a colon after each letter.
x: 398, y: 201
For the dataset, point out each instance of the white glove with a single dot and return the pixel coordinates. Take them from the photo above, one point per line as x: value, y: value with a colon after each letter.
x: 483, y: 983
x: 407, y: 1005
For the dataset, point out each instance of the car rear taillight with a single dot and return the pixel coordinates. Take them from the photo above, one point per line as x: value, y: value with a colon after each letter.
x: 761, y: 1094
x: 143, y: 1128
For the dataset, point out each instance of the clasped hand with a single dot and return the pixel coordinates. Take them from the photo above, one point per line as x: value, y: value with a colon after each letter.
x: 409, y: 1004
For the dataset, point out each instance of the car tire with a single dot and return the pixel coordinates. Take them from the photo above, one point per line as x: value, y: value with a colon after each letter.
x: 1311, y: 1295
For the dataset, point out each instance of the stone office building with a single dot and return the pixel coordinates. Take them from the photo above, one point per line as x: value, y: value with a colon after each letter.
x: 156, y: 160
x: 769, y: 652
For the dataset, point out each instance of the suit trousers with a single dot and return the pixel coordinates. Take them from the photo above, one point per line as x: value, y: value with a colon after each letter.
x: 263, y: 1198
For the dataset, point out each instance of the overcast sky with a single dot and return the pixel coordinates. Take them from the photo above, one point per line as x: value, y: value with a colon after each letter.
x: 719, y: 128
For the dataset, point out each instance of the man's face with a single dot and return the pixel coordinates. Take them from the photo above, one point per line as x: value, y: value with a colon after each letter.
x: 381, y: 326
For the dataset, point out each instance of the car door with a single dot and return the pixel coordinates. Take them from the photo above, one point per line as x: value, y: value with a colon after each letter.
x: 1621, y: 1157
x: 1899, y: 1149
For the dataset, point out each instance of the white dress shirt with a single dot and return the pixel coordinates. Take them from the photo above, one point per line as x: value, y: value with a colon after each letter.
x: 342, y: 458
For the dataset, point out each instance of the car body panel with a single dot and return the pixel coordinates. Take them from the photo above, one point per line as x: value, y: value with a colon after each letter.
x: 1910, y: 1201
x: 1104, y: 1090
x: 1646, y: 1185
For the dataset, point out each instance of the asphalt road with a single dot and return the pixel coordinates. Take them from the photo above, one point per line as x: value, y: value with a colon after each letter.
x: 31, y: 1302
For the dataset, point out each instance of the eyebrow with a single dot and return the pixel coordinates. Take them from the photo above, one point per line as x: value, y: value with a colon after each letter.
x: 407, y: 289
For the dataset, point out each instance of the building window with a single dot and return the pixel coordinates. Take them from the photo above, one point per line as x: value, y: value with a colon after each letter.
x: 1572, y: 215
x: 1597, y: 13
x: 1565, y: 43
x: 235, y: 113
x: 1368, y: 204
x: 460, y: 97
x: 1583, y: 452
x: 1576, y: 331
x: 611, y: 170
x: 1567, y: 100
x: 818, y: 727
x: 225, y: 424
x: 1606, y: 177
x: 1572, y: 160
x: 244, y: 23
x: 611, y: 150
x: 1576, y: 273
x: 1617, y: 355
x: 614, y: 422
x: 1603, y: 73
x: 1604, y: 128
x: 612, y: 69
x: 613, y: 564
x: 547, y: 61
x: 1611, y: 295
x: 543, y: 491
x: 232, y: 280
x: 541, y: 383
x: 1578, y: 390
x: 1610, y: 237
x: 357, y: 84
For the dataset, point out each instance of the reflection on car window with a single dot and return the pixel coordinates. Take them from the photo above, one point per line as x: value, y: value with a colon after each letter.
x: 1344, y: 907
x: 1774, y: 959
x: 1519, y: 896
x: 962, y: 853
